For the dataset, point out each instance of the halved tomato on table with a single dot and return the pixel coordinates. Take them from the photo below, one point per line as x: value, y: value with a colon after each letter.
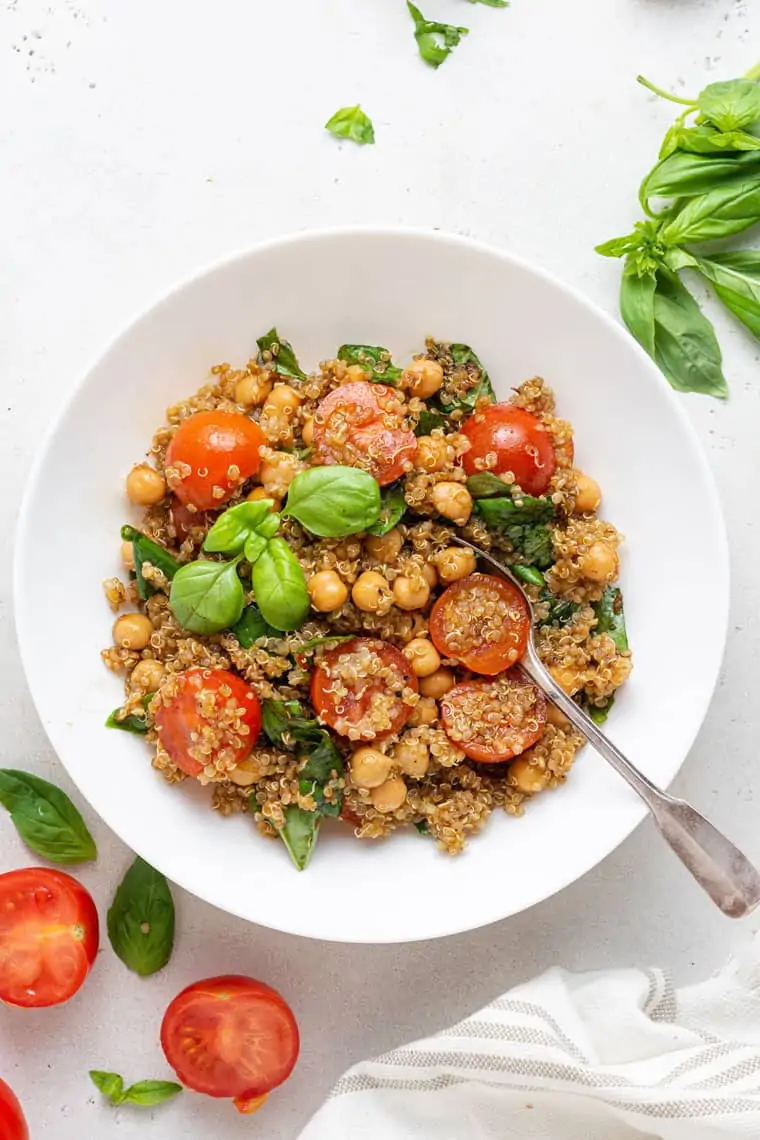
x: 482, y: 621
x: 364, y: 425
x: 210, y: 455
x: 505, y: 438
x: 496, y: 719
x: 207, y: 717
x: 12, y: 1123
x: 362, y: 688
x: 231, y: 1037
x: 49, y: 936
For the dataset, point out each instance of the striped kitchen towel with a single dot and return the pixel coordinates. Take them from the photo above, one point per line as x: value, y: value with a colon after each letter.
x: 615, y: 1055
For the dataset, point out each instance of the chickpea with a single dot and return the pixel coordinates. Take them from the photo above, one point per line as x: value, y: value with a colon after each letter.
x: 423, y: 378
x: 589, y: 493
x: 527, y: 777
x: 386, y: 547
x: 424, y: 712
x: 390, y: 795
x: 369, y: 767
x: 600, y: 562
x: 453, y: 501
x: 253, y: 390
x: 128, y: 555
x: 437, y: 684
x: 411, y: 593
x: 371, y: 593
x: 278, y: 472
x: 245, y: 774
x: 327, y: 591
x: 146, y: 676
x: 430, y: 574
x: 455, y: 562
x: 145, y: 486
x: 283, y: 398
x: 132, y: 631
x: 412, y: 757
x: 432, y: 453
x: 307, y: 431
x: 555, y: 716
x: 423, y: 656
x: 259, y: 493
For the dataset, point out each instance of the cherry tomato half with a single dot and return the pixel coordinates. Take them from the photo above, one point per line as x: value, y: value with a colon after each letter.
x: 361, y: 688
x: 203, y: 450
x: 48, y: 936
x: 12, y: 1123
x: 482, y: 621
x: 364, y: 425
x: 207, y: 706
x: 230, y: 1037
x: 495, y: 719
x: 518, y: 440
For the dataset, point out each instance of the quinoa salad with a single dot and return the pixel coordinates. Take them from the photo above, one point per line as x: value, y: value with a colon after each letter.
x: 297, y: 628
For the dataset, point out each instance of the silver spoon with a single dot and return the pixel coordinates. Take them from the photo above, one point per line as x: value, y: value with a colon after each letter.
x: 721, y: 869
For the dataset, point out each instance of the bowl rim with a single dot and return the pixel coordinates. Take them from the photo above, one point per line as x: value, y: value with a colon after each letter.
x: 713, y: 509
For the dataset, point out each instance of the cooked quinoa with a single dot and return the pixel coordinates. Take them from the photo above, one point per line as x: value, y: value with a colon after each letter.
x: 404, y: 655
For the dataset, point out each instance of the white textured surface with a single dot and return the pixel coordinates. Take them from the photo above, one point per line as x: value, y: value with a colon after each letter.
x: 139, y: 142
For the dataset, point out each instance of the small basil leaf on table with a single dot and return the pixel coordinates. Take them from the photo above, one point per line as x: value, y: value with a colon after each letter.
x: 485, y: 485
x: 45, y: 818
x: 110, y: 1084
x: 279, y: 355
x: 736, y: 279
x: 141, y: 920
x: 144, y: 549
x: 610, y: 618
x: 351, y: 123
x: 434, y: 41
x: 392, y: 510
x: 686, y: 348
x: 334, y: 501
x: 252, y: 626
x: 730, y: 105
x: 134, y: 723
x: 279, y: 586
x: 148, y: 1093
x: 728, y: 209
x: 207, y: 597
x: 229, y: 533
x: 299, y: 834
x: 374, y: 360
x: 637, y: 305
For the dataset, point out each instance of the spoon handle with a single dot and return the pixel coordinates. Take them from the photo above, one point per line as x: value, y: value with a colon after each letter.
x: 718, y: 866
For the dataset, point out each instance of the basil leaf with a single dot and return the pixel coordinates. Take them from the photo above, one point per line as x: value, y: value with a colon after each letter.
x: 529, y: 574
x: 269, y: 527
x: 286, y: 727
x: 525, y: 525
x: 141, y: 920
x: 430, y: 420
x: 110, y: 1084
x: 278, y: 353
x: 707, y: 141
x: 229, y: 533
x: 728, y: 209
x: 279, y: 586
x: 686, y: 348
x: 619, y: 246
x: 610, y: 618
x: 736, y: 279
x: 207, y: 597
x: 45, y: 818
x: 527, y: 509
x: 252, y: 626
x: 151, y: 1092
x: 486, y: 485
x: 478, y: 379
x: 434, y: 41
x: 132, y: 723
x: 561, y: 611
x: 374, y: 360
x: 255, y: 546
x: 732, y: 105
x: 279, y: 717
x: 299, y: 834
x: 599, y: 713
x: 683, y: 175
x: 351, y: 123
x: 144, y: 549
x: 334, y: 501
x: 392, y: 510
x: 637, y: 305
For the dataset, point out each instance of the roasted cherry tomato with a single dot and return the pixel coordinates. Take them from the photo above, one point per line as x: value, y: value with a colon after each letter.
x: 48, y: 936
x: 207, y: 717
x: 212, y: 451
x: 12, y: 1123
x: 362, y: 687
x: 231, y: 1037
x: 495, y: 719
x: 364, y: 425
x: 516, y: 440
x: 483, y: 622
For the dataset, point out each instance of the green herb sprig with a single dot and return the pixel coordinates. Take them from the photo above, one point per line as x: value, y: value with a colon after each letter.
x: 435, y: 41
x: 351, y: 123
x: 144, y: 1093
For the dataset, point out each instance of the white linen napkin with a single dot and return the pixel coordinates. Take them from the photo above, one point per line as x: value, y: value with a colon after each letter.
x: 614, y: 1055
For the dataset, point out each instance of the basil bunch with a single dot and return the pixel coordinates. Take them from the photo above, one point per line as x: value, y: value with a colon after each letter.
x: 145, y: 1093
x: 704, y: 186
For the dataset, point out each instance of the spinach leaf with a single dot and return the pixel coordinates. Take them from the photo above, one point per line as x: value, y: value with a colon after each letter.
x: 132, y: 723
x: 141, y: 920
x: 144, y: 549
x: 466, y: 366
x: 207, y: 597
x: 299, y: 834
x: 374, y: 360
x: 434, y: 41
x: 610, y: 618
x: 392, y: 510
x: 45, y: 818
x: 146, y: 1093
x: 736, y: 279
x: 252, y: 626
x: 637, y: 305
x: 278, y: 353
x: 488, y: 486
x: 524, y: 523
x: 429, y: 420
x: 732, y: 105
x: 351, y: 123
x: 280, y: 718
x: 279, y: 586
x: 529, y: 574
x: 685, y: 346
x: 235, y: 526
x: 561, y: 611
x: 286, y: 727
x: 334, y: 501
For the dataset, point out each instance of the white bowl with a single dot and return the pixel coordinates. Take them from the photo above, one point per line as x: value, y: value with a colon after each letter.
x: 390, y: 287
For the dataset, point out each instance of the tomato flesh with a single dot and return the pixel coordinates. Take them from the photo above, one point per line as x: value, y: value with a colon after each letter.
x: 204, y: 452
x: 48, y: 936
x: 496, y: 719
x: 482, y: 621
x: 505, y: 438
x: 230, y: 1037
x: 207, y: 707
x: 363, y: 425
x: 362, y: 687
x: 12, y: 1123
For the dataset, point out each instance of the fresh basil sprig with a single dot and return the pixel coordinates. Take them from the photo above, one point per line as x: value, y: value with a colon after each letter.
x: 375, y: 361
x: 351, y: 123
x: 141, y: 919
x: 232, y: 529
x: 279, y: 355
x: 145, y: 1093
x: 334, y: 501
x: 45, y: 818
x: 435, y: 41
